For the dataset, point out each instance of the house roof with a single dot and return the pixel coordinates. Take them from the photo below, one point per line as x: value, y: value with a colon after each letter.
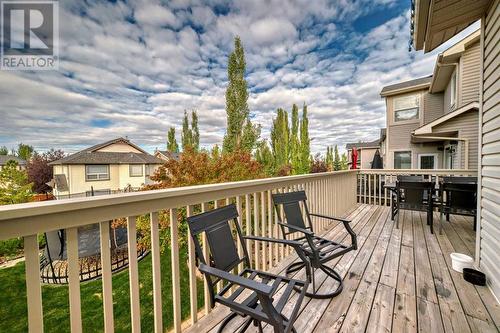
x: 5, y: 158
x: 371, y: 144
x: 406, y: 86
x: 92, y: 155
x: 168, y: 154
x: 427, y: 128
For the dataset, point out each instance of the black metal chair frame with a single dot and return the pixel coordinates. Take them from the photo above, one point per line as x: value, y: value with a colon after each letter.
x: 415, y: 194
x: 465, y: 188
x: 258, y: 305
x: 319, y: 251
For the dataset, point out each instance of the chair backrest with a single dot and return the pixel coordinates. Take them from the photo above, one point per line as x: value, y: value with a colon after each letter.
x: 293, y: 215
x: 413, y: 190
x: 215, y: 224
x: 460, y: 192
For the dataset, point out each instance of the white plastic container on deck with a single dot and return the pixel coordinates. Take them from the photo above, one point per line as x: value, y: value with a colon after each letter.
x: 459, y: 261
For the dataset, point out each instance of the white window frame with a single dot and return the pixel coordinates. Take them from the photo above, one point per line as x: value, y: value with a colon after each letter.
x: 405, y: 109
x: 453, y: 90
x: 130, y: 170
x: 436, y: 160
x: 402, y: 151
x: 99, y: 175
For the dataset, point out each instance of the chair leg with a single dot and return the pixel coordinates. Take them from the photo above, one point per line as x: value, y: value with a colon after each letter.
x: 226, y: 321
x: 330, y: 272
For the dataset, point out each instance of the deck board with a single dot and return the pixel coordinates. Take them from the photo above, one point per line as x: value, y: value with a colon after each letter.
x: 399, y: 280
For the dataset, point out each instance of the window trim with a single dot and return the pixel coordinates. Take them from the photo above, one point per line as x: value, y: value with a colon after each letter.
x: 130, y: 170
x: 98, y: 179
x: 436, y: 160
x: 453, y: 90
x: 401, y: 151
x: 394, y: 110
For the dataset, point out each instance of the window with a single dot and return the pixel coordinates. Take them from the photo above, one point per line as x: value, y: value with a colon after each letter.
x: 402, y: 160
x: 406, y: 108
x: 453, y: 89
x: 150, y: 169
x: 96, y: 172
x: 135, y: 170
x: 427, y: 161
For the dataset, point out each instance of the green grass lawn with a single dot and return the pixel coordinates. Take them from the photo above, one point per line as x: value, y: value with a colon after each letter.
x: 13, y: 308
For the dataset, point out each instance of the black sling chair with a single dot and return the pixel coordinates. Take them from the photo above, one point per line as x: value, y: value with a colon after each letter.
x: 259, y: 303
x: 319, y: 251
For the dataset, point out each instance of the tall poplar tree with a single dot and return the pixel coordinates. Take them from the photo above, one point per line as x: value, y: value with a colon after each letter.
x: 337, y: 165
x: 294, y: 141
x: 187, y: 134
x: 280, y: 139
x: 305, y: 143
x: 172, y: 145
x: 264, y: 156
x: 239, y: 125
x: 329, y: 158
x: 195, y: 132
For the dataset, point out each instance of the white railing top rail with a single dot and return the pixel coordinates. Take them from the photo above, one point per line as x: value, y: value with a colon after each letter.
x: 38, y: 217
x: 438, y: 172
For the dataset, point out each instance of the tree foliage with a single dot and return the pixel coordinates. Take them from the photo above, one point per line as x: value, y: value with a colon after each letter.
x: 305, y: 143
x: 4, y: 150
x: 318, y: 164
x: 240, y: 132
x: 294, y: 141
x: 280, y: 140
x: 172, y: 145
x: 14, y: 185
x: 40, y: 172
x: 336, y: 160
x: 344, y: 162
x: 329, y: 158
x: 190, y: 137
x: 25, y: 151
x: 264, y: 156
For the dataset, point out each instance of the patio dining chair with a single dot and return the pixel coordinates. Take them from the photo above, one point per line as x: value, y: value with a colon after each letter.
x: 458, y: 196
x: 251, y: 294
x: 319, y: 251
x: 415, y: 194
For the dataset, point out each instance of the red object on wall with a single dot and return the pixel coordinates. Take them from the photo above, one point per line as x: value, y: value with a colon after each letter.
x: 354, y: 157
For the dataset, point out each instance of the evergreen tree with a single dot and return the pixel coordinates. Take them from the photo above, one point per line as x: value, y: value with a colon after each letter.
x: 264, y: 156
x: 344, y: 163
x: 239, y: 125
x: 329, y: 158
x: 294, y: 141
x: 280, y: 139
x: 187, y: 135
x: 25, y: 151
x: 336, y: 160
x: 14, y: 185
x: 172, y: 145
x: 305, y: 143
x: 195, y: 132
x: 4, y: 150
x: 215, y: 153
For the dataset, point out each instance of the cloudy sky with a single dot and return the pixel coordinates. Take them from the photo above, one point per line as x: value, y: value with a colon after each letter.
x: 132, y: 68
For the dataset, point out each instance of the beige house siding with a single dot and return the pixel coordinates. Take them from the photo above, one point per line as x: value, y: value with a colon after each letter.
x: 448, y: 106
x: 467, y: 125
x: 433, y: 106
x: 120, y: 148
x: 470, y: 65
x: 489, y: 245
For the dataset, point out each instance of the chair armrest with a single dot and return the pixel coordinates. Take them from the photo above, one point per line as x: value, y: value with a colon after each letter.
x: 294, y: 228
x: 258, y: 287
x: 273, y: 240
x: 331, y: 218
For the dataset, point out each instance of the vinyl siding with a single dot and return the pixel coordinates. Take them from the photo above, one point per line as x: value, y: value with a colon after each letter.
x: 401, y: 135
x: 467, y: 125
x: 490, y: 172
x: 470, y: 75
x: 433, y: 106
x: 447, y: 105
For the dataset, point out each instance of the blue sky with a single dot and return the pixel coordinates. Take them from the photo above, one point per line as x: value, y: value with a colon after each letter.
x: 132, y: 68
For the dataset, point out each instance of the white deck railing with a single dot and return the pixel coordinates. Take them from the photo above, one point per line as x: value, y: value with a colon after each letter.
x: 370, y: 184
x: 332, y: 193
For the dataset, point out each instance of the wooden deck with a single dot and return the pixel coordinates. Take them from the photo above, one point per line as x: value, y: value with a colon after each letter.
x: 399, y: 280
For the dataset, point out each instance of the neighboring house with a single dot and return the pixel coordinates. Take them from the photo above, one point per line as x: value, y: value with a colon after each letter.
x: 109, y: 167
x: 165, y: 155
x: 366, y: 151
x: 5, y: 158
x: 433, y: 122
x: 433, y: 23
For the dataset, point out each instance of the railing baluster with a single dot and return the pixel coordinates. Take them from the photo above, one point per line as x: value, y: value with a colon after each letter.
x: 270, y: 229
x: 256, y: 230
x: 155, y: 257
x: 206, y: 254
x: 248, y: 221
x: 240, y: 222
x: 75, y: 312
x: 135, y: 308
x: 33, y: 286
x: 176, y: 288
x: 263, y: 229
x: 193, y: 296
x: 107, y: 287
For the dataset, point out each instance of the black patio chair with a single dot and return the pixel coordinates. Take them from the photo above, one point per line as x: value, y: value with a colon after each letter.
x: 458, y: 196
x: 415, y: 194
x: 319, y: 251
x: 252, y: 293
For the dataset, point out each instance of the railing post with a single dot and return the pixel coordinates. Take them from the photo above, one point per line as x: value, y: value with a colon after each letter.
x: 193, y: 296
x: 155, y: 257
x: 33, y: 286
x: 75, y: 313
x: 135, y: 308
x: 107, y: 287
x: 176, y: 288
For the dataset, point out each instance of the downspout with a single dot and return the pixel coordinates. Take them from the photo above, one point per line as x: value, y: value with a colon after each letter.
x: 445, y: 138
